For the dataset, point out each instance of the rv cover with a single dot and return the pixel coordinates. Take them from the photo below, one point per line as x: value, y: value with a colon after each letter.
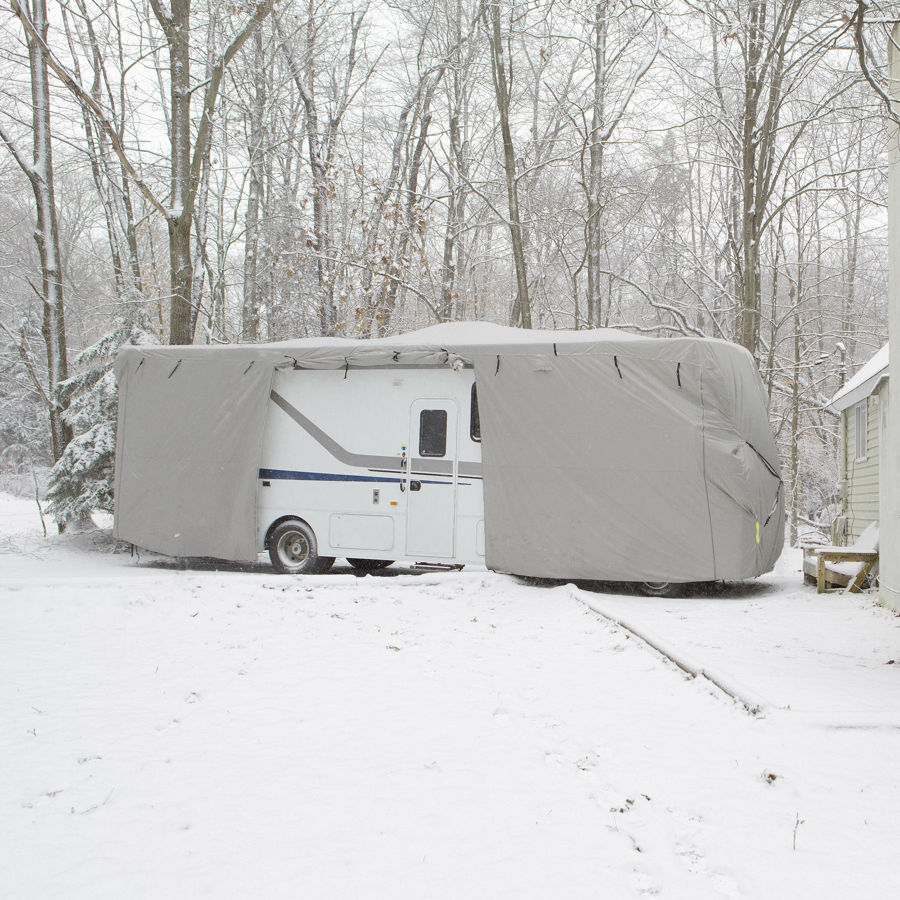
x: 605, y: 456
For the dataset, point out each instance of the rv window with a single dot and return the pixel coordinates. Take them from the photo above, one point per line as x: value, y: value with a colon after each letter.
x: 474, y: 420
x: 433, y: 432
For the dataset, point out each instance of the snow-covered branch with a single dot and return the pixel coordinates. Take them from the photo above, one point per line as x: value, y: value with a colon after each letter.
x: 84, y: 97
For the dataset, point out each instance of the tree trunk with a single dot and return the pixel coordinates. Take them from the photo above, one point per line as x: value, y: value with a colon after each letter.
x: 453, y: 303
x: 797, y: 301
x: 180, y: 257
x: 848, y: 297
x: 134, y: 260
x: 795, y: 425
x: 412, y: 221
x: 767, y: 36
x: 750, y: 292
x: 521, y: 312
x: 46, y: 235
x: 374, y: 251
x: 255, y: 176
x: 187, y: 152
x: 319, y: 164
x: 750, y: 289
x: 181, y: 264
x: 595, y: 173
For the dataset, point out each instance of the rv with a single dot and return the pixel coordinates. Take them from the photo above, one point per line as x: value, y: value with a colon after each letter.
x: 371, y: 466
x: 579, y: 455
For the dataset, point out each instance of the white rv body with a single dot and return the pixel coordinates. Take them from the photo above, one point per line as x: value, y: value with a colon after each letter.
x: 381, y: 463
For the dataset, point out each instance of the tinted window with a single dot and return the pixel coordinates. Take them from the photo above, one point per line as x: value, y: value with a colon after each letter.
x: 433, y: 432
x: 474, y: 420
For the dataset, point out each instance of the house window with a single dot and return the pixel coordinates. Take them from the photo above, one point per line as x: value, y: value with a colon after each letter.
x: 862, y: 427
x: 474, y: 418
x: 433, y: 432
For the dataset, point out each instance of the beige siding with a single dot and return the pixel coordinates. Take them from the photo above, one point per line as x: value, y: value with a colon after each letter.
x: 861, y: 477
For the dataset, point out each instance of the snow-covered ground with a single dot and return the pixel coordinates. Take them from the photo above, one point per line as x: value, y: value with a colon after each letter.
x: 172, y: 732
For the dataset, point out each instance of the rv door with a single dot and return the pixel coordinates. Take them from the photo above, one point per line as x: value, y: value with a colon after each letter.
x: 431, y: 480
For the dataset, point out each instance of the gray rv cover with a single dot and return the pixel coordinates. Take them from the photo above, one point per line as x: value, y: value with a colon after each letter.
x: 605, y: 456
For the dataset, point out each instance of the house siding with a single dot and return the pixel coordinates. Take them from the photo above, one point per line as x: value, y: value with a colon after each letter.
x: 861, y: 478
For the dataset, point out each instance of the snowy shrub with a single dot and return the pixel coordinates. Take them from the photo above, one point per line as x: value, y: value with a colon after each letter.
x: 82, y: 479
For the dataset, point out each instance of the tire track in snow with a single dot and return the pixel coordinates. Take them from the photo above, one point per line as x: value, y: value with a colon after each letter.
x: 752, y: 702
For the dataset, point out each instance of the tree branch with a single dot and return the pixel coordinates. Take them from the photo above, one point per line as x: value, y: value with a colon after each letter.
x: 212, y: 90
x: 26, y: 167
x: 87, y: 100
x: 22, y: 348
x: 862, y: 51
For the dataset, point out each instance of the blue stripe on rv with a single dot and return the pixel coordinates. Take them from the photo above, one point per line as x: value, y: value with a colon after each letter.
x: 290, y: 475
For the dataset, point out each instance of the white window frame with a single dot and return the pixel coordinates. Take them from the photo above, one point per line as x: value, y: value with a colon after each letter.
x: 861, y: 414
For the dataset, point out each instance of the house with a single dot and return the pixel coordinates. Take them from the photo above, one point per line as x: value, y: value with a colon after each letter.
x: 862, y: 403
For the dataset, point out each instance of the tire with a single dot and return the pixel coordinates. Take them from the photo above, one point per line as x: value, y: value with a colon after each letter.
x: 294, y: 551
x: 370, y: 565
x: 658, y: 588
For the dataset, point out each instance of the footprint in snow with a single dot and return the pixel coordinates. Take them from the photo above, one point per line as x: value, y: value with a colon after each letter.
x: 644, y: 885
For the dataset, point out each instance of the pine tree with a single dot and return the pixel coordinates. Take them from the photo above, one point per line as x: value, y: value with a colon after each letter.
x: 82, y: 479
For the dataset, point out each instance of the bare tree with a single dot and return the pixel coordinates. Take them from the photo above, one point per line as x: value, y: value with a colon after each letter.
x: 605, y: 116
x: 256, y: 186
x: 187, y: 149
x: 501, y: 71
x: 110, y: 178
x: 453, y: 262
x: 323, y: 121
x: 777, y: 46
x: 39, y: 170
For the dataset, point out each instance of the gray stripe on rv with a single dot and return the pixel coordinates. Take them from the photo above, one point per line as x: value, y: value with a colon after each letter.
x: 362, y: 460
x: 367, y: 460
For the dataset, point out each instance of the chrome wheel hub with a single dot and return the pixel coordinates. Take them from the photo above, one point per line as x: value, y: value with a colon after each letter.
x: 295, y: 548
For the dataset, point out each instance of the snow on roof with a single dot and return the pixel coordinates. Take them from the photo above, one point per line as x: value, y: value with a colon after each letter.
x: 472, y: 333
x: 862, y: 383
x: 419, y: 347
x: 450, y: 335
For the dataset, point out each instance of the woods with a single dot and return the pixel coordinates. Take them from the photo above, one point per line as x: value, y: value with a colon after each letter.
x: 257, y: 171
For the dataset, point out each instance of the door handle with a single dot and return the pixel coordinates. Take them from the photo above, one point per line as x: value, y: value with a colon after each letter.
x: 415, y: 485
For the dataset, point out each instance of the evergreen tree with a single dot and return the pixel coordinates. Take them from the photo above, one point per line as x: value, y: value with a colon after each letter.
x: 82, y: 479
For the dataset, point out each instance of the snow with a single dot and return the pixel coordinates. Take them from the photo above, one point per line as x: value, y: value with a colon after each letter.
x: 173, y: 731
x: 489, y: 333
x: 863, y: 382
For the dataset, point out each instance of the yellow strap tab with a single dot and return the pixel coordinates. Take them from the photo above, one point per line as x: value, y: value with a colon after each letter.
x: 757, y: 532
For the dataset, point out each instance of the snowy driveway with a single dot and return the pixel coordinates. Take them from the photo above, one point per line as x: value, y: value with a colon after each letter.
x: 185, y: 733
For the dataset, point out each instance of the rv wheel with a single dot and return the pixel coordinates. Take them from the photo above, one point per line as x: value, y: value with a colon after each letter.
x: 370, y: 565
x: 293, y: 549
x: 657, y: 588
